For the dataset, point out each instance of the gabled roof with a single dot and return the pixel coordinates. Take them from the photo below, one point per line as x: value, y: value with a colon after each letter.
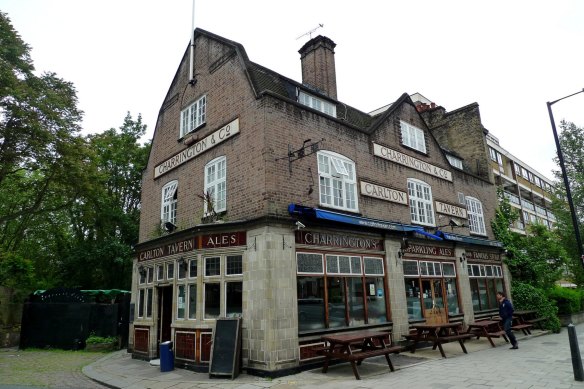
x: 266, y: 81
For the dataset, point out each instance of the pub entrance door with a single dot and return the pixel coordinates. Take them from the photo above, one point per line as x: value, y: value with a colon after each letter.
x: 164, y: 316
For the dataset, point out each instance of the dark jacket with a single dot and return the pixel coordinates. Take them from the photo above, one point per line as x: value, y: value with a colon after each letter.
x: 506, y: 309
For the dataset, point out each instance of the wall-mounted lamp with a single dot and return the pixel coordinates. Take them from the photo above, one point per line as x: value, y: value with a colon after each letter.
x: 462, y: 257
x: 169, y: 227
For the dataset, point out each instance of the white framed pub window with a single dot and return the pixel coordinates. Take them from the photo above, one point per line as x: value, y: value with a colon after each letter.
x: 222, y: 285
x: 476, y: 220
x: 337, y: 181
x: 421, y: 207
x: 169, y: 202
x: 216, y: 185
x: 193, y: 116
x: 413, y: 137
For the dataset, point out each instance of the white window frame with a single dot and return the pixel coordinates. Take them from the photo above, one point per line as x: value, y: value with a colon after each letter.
x: 216, y: 184
x: 421, y: 207
x: 476, y: 218
x: 169, y: 202
x: 337, y: 181
x: 456, y: 162
x: 193, y: 116
x: 316, y: 103
x: 413, y: 137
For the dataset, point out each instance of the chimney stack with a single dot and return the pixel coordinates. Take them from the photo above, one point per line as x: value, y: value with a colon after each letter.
x: 318, y: 65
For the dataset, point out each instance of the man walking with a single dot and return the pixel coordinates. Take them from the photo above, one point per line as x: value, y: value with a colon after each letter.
x: 506, y: 313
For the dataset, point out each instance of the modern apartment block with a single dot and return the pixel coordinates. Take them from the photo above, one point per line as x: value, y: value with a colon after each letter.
x: 269, y: 199
x: 527, y: 190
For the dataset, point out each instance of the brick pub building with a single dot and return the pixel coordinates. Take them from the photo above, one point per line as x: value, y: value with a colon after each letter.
x: 269, y: 199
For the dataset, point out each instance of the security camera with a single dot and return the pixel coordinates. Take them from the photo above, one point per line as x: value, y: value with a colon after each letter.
x: 299, y: 225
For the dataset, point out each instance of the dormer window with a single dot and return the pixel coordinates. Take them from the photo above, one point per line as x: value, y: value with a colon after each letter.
x: 456, y: 162
x: 318, y: 104
x: 413, y: 137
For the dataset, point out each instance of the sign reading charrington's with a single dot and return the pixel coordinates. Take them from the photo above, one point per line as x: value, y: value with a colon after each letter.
x: 335, y: 240
x: 411, y: 162
x: 207, y: 143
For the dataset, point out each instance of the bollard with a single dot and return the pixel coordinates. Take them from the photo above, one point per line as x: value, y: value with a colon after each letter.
x: 575, y: 350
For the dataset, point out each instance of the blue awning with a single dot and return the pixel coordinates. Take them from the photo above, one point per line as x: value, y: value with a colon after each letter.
x: 300, y: 210
x: 469, y: 239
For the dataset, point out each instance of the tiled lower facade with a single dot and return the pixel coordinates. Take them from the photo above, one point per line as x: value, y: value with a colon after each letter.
x: 291, y: 286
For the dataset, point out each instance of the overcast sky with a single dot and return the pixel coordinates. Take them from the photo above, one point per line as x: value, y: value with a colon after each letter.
x: 510, y: 57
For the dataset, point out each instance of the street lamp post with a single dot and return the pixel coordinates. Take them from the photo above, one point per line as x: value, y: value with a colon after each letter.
x: 565, y: 176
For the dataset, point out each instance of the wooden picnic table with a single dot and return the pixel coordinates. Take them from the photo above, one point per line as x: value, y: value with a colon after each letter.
x: 439, y: 334
x: 487, y: 328
x: 354, y: 347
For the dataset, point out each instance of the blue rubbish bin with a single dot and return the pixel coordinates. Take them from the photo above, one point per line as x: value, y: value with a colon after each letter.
x: 166, y: 356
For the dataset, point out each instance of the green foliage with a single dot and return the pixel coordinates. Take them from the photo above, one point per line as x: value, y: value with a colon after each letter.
x: 69, y: 204
x: 567, y: 300
x: 528, y: 297
x: 94, y: 339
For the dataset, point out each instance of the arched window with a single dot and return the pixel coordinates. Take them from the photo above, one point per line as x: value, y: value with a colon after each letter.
x: 476, y: 220
x: 421, y: 208
x: 337, y: 181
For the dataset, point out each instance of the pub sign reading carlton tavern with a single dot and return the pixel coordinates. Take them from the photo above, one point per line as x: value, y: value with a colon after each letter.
x: 228, y: 239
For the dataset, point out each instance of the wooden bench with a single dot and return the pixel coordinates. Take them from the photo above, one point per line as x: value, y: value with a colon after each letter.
x: 539, y: 321
x: 357, y: 356
x: 523, y: 327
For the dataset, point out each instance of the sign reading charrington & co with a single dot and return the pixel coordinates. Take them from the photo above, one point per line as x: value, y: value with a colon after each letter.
x: 207, y: 143
x: 411, y: 162
x: 336, y: 240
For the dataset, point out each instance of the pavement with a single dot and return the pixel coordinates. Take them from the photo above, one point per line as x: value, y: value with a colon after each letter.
x: 543, y: 360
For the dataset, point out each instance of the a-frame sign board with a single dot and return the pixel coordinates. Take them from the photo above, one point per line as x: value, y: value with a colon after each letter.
x: 226, y: 349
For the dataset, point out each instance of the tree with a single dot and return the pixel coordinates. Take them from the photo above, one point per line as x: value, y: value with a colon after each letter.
x: 105, y: 219
x: 572, y: 143
x: 41, y: 154
x: 538, y: 257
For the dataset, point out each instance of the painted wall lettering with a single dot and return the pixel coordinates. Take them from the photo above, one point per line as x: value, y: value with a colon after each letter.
x: 414, y: 163
x: 452, y: 210
x: 200, y: 147
x: 383, y: 193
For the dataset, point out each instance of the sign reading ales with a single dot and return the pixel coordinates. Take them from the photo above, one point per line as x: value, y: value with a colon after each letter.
x: 419, y: 249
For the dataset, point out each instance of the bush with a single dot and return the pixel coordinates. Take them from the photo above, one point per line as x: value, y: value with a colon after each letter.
x: 567, y: 300
x: 527, y: 297
x: 93, y: 339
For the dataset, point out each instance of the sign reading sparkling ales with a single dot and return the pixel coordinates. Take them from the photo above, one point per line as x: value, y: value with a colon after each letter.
x: 411, y: 162
x: 335, y: 240
x: 414, y: 249
x: 200, y: 147
x: 383, y: 193
x: 451, y: 210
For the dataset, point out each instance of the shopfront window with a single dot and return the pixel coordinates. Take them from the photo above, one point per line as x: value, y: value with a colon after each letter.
x: 233, y: 303
x: 355, y: 291
x: 181, y: 302
x: 485, y: 281
x: 430, y: 284
x: 212, y: 300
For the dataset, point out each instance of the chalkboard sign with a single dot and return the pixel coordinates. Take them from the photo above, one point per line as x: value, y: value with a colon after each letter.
x: 226, y: 350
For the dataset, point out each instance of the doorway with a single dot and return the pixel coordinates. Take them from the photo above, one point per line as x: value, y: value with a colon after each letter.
x: 164, y: 317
